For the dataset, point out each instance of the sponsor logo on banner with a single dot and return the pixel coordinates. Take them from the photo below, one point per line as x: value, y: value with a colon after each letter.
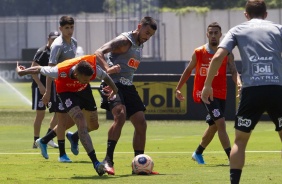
x: 159, y: 97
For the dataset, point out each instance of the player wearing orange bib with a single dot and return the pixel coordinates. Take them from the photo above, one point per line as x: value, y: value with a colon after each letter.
x: 72, y: 79
x: 200, y: 62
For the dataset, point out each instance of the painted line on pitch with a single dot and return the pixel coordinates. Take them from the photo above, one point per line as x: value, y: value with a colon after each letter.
x: 206, y: 152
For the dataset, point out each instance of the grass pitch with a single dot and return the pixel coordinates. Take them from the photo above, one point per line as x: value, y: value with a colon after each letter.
x: 169, y: 143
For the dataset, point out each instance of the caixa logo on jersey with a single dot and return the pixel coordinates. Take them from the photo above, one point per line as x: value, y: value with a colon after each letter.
x: 262, y: 68
x: 159, y: 97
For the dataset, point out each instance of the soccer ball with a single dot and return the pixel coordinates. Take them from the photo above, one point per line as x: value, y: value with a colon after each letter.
x: 142, y: 164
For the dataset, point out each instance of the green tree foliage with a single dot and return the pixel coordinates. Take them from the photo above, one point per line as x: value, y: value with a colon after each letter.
x: 214, y: 4
x: 48, y: 7
x: 53, y: 7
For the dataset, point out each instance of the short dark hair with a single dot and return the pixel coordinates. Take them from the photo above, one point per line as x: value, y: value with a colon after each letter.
x: 84, y: 68
x: 149, y: 21
x: 64, y: 20
x: 214, y: 24
x: 255, y: 8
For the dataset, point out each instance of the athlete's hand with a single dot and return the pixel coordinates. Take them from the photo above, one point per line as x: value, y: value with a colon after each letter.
x: 179, y: 96
x: 19, y: 69
x: 114, y: 69
x: 239, y: 88
x: 207, y: 93
x: 107, y: 91
x: 46, y: 98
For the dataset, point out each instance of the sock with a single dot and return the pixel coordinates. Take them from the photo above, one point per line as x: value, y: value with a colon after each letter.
x: 35, y: 138
x: 138, y: 152
x: 61, y: 144
x: 49, y: 130
x: 110, y: 149
x: 75, y: 136
x: 48, y: 137
x: 92, y: 156
x: 227, y: 151
x: 200, y: 150
x: 235, y: 175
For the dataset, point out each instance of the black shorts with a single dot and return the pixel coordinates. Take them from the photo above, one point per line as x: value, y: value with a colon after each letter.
x: 128, y: 96
x: 215, y: 110
x: 254, y: 102
x: 37, y: 103
x: 84, y: 99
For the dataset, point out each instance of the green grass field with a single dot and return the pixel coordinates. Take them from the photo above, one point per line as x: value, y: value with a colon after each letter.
x: 169, y: 143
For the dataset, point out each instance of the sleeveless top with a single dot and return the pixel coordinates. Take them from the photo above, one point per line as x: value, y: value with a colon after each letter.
x: 128, y: 61
x: 203, y: 62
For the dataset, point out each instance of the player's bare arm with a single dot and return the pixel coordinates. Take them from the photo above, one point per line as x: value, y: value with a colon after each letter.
x: 234, y: 72
x: 47, y: 94
x: 77, y: 115
x: 118, y: 45
x: 184, y: 77
x: 21, y: 70
x: 35, y: 77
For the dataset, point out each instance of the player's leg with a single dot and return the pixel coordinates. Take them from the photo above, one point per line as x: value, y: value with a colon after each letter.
x: 223, y: 136
x: 118, y: 110
x: 114, y: 132
x: 37, y: 125
x: 77, y: 115
x: 237, y: 155
x: 39, y: 107
x: 139, y: 135
x: 91, y: 119
x: 206, y: 139
x: 53, y: 123
x: 249, y: 112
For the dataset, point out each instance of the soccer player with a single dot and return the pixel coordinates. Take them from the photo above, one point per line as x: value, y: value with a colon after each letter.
x: 72, y: 79
x: 38, y: 89
x: 260, y: 45
x: 63, y: 48
x: 124, y: 56
x: 215, y: 118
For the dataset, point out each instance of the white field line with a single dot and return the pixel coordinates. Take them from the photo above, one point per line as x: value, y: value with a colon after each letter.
x: 206, y: 152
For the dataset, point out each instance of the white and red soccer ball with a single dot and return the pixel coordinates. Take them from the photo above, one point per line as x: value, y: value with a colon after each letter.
x: 142, y: 164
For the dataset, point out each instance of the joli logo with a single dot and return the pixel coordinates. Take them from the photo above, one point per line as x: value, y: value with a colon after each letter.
x: 159, y: 97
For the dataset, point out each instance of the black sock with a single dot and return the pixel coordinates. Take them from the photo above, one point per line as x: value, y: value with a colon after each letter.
x: 235, y: 175
x: 35, y: 138
x: 200, y: 150
x: 61, y: 144
x: 110, y: 149
x: 49, y: 130
x: 75, y: 136
x: 92, y: 156
x: 138, y: 152
x: 48, y: 137
x: 227, y: 151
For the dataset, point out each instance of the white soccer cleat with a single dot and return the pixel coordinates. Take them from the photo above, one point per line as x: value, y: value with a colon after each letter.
x: 53, y: 144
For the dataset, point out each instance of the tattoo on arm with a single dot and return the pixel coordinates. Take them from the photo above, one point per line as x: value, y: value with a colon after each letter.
x: 80, y: 121
x: 118, y: 44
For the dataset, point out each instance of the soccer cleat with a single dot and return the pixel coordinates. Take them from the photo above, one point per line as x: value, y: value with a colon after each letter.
x: 109, y: 167
x: 34, y: 146
x: 53, y: 144
x: 100, y: 168
x: 198, y: 158
x: 74, y: 145
x: 64, y: 159
x: 43, y: 148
